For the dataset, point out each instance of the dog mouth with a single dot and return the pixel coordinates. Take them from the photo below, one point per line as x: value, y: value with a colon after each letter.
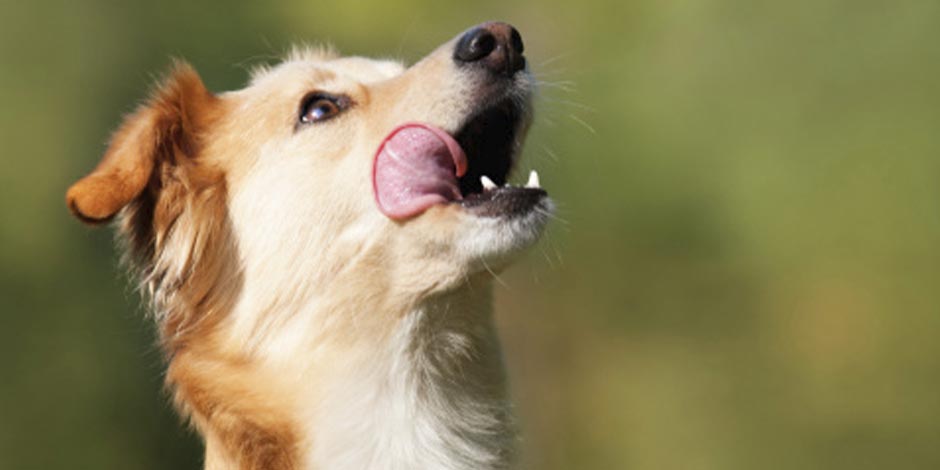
x: 419, y: 165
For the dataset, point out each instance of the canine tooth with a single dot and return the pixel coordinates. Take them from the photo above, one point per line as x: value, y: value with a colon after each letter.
x: 488, y: 184
x: 533, y: 180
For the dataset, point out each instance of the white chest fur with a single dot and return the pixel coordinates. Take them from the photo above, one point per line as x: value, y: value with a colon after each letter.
x: 433, y: 396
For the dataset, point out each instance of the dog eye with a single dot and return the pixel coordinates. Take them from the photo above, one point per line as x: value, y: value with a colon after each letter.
x: 320, y: 107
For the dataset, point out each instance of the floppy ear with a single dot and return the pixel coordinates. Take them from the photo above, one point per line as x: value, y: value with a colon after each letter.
x: 166, y: 128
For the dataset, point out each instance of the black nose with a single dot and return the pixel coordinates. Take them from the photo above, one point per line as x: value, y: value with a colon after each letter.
x: 496, y: 46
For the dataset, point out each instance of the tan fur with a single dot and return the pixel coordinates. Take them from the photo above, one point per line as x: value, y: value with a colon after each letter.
x: 236, y: 406
x: 167, y: 127
x: 281, y: 293
x: 153, y: 170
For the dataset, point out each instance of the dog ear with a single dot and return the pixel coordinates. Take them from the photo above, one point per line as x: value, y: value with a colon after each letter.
x: 166, y: 128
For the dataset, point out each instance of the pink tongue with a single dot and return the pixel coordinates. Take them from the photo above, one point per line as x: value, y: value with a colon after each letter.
x: 417, y: 166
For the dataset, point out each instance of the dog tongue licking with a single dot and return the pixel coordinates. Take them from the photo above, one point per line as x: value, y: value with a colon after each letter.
x: 416, y: 167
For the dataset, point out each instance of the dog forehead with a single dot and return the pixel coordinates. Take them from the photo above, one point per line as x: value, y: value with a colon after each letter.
x: 323, y: 70
x: 365, y: 70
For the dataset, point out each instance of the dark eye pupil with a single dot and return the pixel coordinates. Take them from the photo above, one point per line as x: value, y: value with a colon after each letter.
x: 319, y: 110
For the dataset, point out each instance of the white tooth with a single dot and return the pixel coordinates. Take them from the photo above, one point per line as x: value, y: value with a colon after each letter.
x: 488, y: 184
x: 533, y: 180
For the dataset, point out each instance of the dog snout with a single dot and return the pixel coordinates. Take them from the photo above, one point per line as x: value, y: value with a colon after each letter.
x: 495, y: 46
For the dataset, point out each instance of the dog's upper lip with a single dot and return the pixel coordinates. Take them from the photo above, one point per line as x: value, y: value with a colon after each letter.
x: 415, y: 167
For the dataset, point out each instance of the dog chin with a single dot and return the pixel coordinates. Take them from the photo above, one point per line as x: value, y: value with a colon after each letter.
x: 489, y: 243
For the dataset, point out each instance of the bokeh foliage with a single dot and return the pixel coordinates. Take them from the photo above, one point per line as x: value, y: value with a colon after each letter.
x: 744, y: 273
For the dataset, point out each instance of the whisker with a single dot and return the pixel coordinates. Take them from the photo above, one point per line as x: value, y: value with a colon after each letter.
x: 551, y: 242
x: 553, y: 59
x: 406, y: 34
x: 549, y: 73
x: 495, y: 276
x: 546, y: 256
x: 552, y: 155
x: 550, y: 122
x: 562, y: 82
x: 580, y: 121
x: 569, y: 83
x: 552, y: 216
x: 568, y: 88
x: 573, y: 104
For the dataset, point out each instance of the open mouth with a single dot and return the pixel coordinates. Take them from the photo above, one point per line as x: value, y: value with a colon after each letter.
x: 418, y: 166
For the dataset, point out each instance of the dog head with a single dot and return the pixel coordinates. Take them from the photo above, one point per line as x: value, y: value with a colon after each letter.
x: 326, y: 177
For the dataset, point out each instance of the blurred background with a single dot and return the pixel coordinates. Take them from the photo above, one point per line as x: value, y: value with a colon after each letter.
x: 744, y: 273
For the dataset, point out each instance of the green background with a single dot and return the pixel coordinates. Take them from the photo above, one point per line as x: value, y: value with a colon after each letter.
x: 745, y: 273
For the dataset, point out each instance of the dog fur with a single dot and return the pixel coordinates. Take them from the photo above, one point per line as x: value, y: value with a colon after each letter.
x: 302, y: 327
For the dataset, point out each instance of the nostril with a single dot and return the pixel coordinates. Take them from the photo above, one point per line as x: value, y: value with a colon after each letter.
x: 515, y: 41
x: 475, y: 45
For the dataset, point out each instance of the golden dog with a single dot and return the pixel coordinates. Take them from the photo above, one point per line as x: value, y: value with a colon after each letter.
x: 319, y: 248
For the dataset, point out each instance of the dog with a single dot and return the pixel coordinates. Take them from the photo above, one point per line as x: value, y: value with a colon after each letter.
x: 319, y: 248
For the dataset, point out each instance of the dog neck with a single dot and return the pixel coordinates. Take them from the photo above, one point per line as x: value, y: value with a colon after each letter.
x: 429, y: 392
x: 432, y: 396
